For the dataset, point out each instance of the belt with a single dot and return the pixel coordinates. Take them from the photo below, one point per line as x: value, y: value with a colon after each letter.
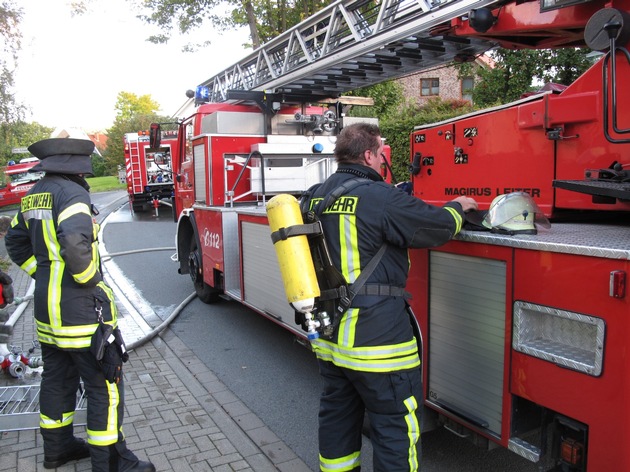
x: 373, y: 290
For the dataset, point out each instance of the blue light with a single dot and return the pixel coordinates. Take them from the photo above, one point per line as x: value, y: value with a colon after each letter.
x: 202, y: 94
x: 318, y: 148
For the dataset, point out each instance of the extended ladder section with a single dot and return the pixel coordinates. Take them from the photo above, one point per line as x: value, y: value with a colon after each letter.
x: 349, y: 45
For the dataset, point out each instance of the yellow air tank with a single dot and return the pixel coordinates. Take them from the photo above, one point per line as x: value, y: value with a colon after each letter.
x: 294, y: 255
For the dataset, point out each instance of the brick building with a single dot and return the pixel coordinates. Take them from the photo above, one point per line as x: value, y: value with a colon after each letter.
x: 443, y: 82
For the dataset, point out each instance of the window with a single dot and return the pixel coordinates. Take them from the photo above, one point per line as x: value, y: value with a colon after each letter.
x: 429, y: 87
x: 468, y: 83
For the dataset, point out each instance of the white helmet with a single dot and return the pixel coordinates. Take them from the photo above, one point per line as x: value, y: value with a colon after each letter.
x: 515, y: 213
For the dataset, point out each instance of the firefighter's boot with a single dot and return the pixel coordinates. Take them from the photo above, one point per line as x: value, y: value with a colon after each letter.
x: 117, y: 457
x: 60, y: 447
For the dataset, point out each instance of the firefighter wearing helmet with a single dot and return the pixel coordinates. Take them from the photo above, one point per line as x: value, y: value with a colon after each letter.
x: 54, y: 239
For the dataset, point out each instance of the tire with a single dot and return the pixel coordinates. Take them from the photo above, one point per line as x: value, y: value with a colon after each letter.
x: 138, y: 207
x: 205, y: 292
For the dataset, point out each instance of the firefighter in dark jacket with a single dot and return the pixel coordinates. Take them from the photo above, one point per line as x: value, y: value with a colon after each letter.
x: 53, y: 238
x: 371, y: 364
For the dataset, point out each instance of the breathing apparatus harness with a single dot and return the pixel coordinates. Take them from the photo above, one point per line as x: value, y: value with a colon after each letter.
x: 336, y: 294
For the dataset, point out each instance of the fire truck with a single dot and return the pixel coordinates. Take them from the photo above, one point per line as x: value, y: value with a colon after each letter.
x: 18, y: 180
x: 149, y: 171
x: 524, y: 337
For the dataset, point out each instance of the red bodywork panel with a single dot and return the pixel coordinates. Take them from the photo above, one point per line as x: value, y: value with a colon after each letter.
x: 508, y: 149
x: 216, y: 148
x: 580, y: 284
x: 569, y: 282
x: 521, y: 25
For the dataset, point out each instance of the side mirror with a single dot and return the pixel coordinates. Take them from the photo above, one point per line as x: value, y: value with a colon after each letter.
x: 155, y: 136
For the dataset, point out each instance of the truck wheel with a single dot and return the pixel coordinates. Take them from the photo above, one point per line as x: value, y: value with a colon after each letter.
x: 205, y: 292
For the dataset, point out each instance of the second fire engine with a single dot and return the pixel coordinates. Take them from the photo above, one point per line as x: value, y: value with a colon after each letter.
x: 149, y: 171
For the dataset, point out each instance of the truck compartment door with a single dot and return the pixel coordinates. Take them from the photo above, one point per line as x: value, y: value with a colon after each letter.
x: 467, y: 336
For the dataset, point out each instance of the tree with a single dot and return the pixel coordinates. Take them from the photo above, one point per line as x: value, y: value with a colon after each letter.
x: 564, y: 66
x: 19, y: 134
x: 134, y: 113
x: 10, y: 18
x: 265, y: 19
x: 515, y: 72
x: 129, y: 105
x: 387, y: 96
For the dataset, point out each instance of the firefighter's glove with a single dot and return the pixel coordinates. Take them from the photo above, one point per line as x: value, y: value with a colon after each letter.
x: 110, y: 352
x: 7, y: 289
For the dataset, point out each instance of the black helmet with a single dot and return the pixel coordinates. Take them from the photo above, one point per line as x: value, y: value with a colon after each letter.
x: 63, y: 155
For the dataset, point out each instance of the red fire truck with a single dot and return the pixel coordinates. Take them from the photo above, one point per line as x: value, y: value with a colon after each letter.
x: 524, y: 338
x: 18, y: 180
x: 149, y: 171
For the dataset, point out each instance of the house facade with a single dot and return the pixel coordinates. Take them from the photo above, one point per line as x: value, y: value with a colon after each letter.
x: 442, y: 82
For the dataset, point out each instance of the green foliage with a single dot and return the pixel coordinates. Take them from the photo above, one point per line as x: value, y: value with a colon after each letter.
x: 134, y: 114
x: 265, y: 19
x: 564, y: 66
x: 387, y: 97
x: 19, y: 134
x: 396, y: 128
x: 129, y: 105
x: 10, y: 37
x: 179, y: 16
x: 511, y: 77
x: 272, y: 18
x: 515, y: 72
x: 99, y: 165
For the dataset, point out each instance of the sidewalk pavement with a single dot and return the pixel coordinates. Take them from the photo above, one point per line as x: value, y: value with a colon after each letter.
x: 178, y: 414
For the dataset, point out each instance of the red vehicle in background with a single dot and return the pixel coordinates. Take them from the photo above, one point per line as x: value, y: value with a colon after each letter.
x: 17, y: 180
x: 149, y: 170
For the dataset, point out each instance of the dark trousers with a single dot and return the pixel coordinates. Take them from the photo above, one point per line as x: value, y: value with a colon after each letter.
x: 393, y: 402
x: 58, y: 394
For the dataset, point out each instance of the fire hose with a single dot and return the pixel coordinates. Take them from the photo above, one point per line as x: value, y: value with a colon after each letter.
x: 158, y: 329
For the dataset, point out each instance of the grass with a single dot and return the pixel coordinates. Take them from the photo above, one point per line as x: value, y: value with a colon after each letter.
x: 105, y: 184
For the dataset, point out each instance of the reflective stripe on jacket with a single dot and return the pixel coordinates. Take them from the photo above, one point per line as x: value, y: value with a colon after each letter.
x: 375, y: 334
x: 53, y: 238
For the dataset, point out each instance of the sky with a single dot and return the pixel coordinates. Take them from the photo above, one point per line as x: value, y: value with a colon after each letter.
x: 71, y: 69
